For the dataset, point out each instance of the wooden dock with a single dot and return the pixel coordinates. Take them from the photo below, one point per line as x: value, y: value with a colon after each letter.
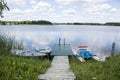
x: 62, y: 50
x: 59, y: 70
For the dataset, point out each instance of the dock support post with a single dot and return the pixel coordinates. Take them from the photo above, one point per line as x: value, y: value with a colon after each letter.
x: 59, y: 41
x: 49, y: 56
x: 113, y: 49
x: 64, y: 41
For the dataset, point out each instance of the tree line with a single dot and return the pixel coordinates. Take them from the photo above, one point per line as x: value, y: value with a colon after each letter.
x: 39, y: 22
x: 103, y: 24
x: 43, y: 22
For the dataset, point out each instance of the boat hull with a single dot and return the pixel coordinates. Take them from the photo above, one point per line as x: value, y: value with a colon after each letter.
x: 79, y: 58
x: 82, y: 59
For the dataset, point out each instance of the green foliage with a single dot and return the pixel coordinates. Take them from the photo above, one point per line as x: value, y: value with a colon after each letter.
x: 102, y: 24
x: 93, y: 70
x: 16, y: 67
x: 113, y: 23
x: 87, y: 24
x: 39, y: 22
x: 6, y: 44
x: 2, y: 23
x: 3, y: 6
x: 20, y: 68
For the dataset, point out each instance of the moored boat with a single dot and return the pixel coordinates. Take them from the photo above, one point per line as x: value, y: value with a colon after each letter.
x: 26, y: 53
x: 44, y: 49
x: 75, y: 53
x: 83, y: 53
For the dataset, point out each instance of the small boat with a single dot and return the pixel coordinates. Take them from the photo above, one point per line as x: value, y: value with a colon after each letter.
x: 44, y: 49
x: 83, y: 52
x: 26, y: 53
x: 75, y: 53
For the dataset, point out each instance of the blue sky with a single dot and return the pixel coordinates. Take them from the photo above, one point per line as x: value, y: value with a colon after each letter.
x: 64, y: 10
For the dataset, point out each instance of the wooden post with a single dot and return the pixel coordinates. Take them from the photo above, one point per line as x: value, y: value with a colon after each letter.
x: 113, y: 49
x: 49, y: 56
x: 64, y: 41
x: 59, y: 41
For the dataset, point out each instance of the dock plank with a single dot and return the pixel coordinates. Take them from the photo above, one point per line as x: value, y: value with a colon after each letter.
x: 59, y: 70
x: 62, y: 50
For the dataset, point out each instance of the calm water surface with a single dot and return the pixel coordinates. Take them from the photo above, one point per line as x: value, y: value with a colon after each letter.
x: 98, y: 38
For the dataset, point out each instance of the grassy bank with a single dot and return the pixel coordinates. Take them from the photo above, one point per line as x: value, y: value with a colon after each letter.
x: 20, y: 68
x: 6, y: 44
x: 92, y: 70
x: 16, y: 67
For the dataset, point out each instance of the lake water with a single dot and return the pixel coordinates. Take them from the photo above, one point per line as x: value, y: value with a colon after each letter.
x: 98, y: 38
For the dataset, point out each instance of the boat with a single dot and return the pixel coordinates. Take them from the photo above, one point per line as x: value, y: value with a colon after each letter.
x: 26, y: 53
x: 83, y: 53
x: 44, y: 49
x: 75, y: 53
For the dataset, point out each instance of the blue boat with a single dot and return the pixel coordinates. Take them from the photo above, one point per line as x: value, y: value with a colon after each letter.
x: 83, y: 52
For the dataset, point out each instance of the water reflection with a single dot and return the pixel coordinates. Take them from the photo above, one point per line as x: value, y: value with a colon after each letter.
x: 98, y: 38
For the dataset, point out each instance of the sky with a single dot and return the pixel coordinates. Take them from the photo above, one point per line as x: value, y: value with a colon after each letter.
x: 63, y: 11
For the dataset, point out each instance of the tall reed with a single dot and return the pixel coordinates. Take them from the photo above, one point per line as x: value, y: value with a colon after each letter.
x: 6, y: 44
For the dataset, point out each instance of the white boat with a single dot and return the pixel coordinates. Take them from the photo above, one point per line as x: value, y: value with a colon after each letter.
x: 83, y: 52
x: 44, y: 49
x: 27, y: 53
x: 80, y: 58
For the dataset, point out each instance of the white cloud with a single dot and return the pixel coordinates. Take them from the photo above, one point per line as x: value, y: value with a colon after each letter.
x: 62, y: 10
x: 29, y: 11
x: 33, y: 2
x: 114, y: 10
x: 79, y: 1
x: 13, y: 12
x: 51, y: 9
x: 16, y: 11
x: 16, y: 3
x: 35, y: 12
x: 42, y: 6
x: 98, y: 8
x: 67, y: 1
x: 60, y: 7
x: 94, y: 1
x: 69, y: 12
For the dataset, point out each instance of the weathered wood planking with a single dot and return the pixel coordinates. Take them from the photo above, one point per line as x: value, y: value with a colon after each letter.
x: 62, y: 50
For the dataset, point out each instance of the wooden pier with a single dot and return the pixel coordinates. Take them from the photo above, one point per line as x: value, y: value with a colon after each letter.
x: 60, y: 68
x: 62, y: 50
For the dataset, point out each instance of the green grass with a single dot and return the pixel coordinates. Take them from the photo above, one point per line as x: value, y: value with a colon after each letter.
x: 17, y: 67
x: 21, y: 68
x: 93, y: 70
x: 6, y: 44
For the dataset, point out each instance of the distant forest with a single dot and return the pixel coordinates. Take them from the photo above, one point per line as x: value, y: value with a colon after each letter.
x: 105, y: 24
x: 39, y: 22
x: 43, y: 22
